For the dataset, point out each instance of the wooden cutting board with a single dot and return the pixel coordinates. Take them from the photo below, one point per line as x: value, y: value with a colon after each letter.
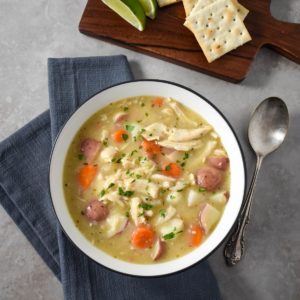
x: 166, y: 37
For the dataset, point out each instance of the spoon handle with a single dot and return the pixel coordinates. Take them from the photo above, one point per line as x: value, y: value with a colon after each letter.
x: 234, y: 248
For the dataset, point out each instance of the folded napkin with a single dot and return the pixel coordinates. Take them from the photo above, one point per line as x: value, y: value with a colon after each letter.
x: 24, y: 194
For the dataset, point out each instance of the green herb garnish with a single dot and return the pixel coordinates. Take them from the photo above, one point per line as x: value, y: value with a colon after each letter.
x: 80, y: 156
x: 169, y: 236
x: 202, y: 190
x: 102, y: 193
x: 162, y: 213
x: 111, y: 185
x: 132, y: 152
x: 127, y: 214
x: 186, y: 156
x: 125, y: 136
x: 105, y: 142
x: 168, y: 167
x: 125, y: 193
x: 129, y: 127
x: 145, y: 206
x: 125, y: 108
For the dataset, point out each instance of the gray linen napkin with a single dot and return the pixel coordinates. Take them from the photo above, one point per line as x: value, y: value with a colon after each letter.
x: 24, y: 193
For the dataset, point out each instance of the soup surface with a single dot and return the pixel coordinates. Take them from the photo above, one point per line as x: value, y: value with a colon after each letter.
x: 146, y: 179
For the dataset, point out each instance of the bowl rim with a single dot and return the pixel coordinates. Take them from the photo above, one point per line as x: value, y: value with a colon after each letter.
x: 239, y: 147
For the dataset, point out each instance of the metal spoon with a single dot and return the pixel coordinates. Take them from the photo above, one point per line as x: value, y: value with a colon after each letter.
x: 267, y: 130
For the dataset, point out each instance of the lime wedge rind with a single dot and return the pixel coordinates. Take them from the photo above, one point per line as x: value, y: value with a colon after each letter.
x: 150, y: 8
x: 130, y: 10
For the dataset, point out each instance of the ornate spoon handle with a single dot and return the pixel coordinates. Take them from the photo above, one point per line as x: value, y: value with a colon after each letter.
x: 234, y: 248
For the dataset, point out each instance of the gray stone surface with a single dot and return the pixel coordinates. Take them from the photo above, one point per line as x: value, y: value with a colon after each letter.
x: 31, y: 31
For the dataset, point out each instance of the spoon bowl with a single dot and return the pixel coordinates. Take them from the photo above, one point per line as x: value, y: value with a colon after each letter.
x: 268, y: 126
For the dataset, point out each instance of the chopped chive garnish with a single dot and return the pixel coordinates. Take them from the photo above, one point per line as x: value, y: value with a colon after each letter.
x: 80, y: 156
x: 105, y: 142
x: 125, y: 136
x: 129, y: 127
x: 125, y: 193
x: 132, y: 152
x: 102, y: 193
x: 145, y: 206
x: 202, y: 189
x: 169, y: 236
x: 111, y: 185
x: 125, y: 108
x: 162, y: 213
x: 168, y: 168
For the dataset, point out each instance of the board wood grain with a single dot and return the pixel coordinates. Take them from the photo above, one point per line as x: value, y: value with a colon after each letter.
x: 167, y: 38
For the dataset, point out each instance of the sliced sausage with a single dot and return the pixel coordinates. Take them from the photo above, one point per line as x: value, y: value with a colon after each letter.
x: 90, y: 148
x: 120, y: 117
x: 219, y: 162
x: 209, y: 178
x: 96, y: 211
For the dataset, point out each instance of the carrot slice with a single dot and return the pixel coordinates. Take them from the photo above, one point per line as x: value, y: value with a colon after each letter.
x: 151, y: 148
x: 143, y: 237
x: 196, y: 235
x: 86, y: 175
x: 120, y: 135
x: 172, y: 170
x: 158, y: 102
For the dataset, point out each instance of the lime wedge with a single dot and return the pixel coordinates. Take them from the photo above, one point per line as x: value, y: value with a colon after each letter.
x: 150, y: 8
x: 130, y: 10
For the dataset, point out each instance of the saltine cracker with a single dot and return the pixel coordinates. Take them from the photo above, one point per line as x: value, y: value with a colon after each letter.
x: 218, y: 28
x: 190, y: 5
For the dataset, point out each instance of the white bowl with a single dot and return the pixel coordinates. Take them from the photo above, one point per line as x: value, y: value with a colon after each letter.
x: 195, y: 102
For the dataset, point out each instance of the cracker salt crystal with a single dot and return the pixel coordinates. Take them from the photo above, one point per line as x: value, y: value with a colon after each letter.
x: 218, y: 28
x: 190, y: 5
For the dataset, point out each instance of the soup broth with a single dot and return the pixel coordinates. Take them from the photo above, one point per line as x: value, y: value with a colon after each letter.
x: 146, y: 179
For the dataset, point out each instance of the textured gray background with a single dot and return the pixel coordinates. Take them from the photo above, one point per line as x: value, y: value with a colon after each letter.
x: 31, y: 31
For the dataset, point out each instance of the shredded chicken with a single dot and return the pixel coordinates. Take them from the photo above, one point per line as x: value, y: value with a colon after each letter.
x: 114, y: 197
x: 208, y: 148
x: 183, y: 135
x: 155, y: 131
x: 162, y: 178
x: 136, y: 211
x: 181, y: 114
x: 108, y: 153
x: 184, y: 146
